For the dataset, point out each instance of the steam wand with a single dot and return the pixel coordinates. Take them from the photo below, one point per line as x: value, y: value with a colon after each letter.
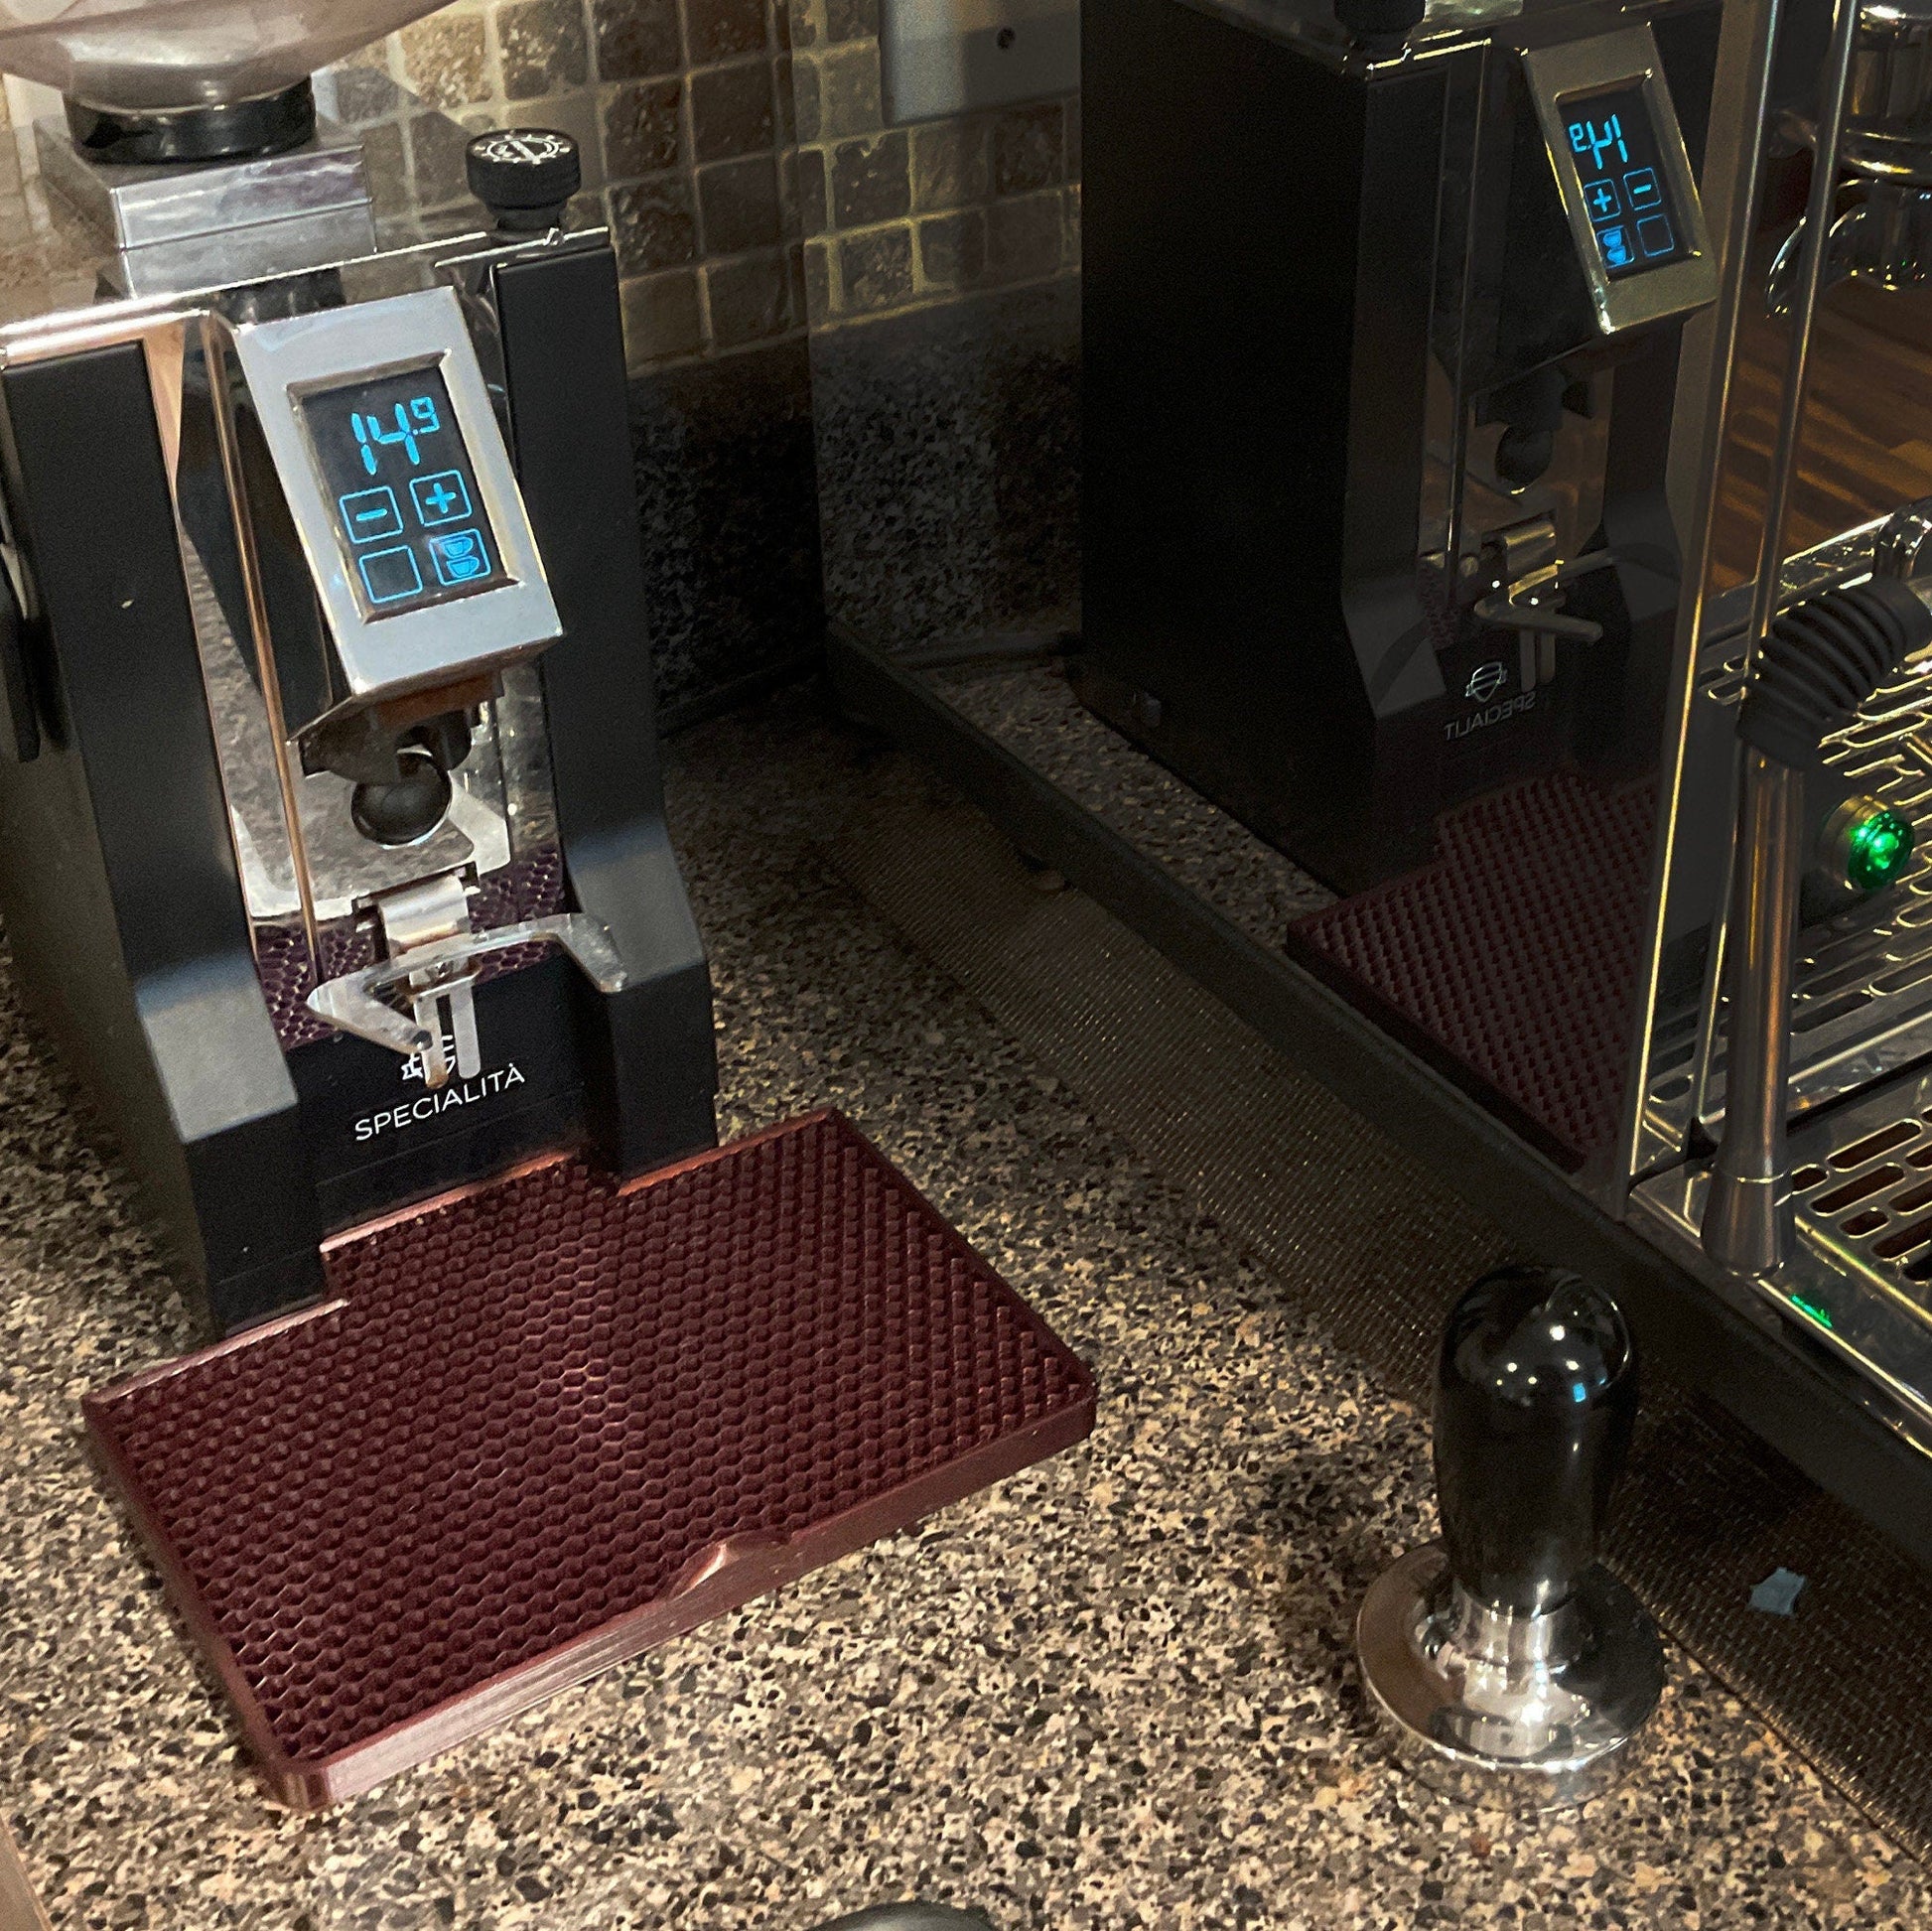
x: 1823, y: 659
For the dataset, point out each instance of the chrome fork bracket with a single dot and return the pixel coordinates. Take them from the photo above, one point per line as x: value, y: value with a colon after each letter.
x: 433, y: 958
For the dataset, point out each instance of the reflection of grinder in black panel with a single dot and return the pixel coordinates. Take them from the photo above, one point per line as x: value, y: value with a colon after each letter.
x: 332, y: 843
x: 1380, y: 340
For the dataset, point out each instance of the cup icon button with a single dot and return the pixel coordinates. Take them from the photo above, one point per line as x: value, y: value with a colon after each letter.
x: 460, y: 557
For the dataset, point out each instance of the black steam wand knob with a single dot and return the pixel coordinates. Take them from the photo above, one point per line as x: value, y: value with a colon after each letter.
x: 1507, y: 1664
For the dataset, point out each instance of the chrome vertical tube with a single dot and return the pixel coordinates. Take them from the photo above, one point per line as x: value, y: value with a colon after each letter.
x: 1813, y: 259
x: 1748, y: 1219
x: 1748, y: 1227
x: 1740, y: 109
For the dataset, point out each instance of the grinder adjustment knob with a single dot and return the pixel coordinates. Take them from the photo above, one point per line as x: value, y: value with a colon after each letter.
x: 1509, y: 1666
x: 524, y: 176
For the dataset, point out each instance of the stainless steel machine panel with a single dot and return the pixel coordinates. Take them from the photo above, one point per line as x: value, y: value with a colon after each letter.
x: 1610, y: 127
x: 415, y: 577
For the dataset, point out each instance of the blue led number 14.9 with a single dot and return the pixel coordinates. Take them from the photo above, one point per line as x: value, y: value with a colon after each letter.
x: 417, y: 417
x: 1584, y: 138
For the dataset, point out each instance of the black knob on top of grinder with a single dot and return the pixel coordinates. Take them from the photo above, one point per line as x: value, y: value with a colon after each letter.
x: 524, y: 176
x: 1536, y: 1396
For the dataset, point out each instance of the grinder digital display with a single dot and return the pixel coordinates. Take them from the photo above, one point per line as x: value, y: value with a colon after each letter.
x: 1623, y: 176
x: 1612, y: 145
x: 402, y: 491
x: 395, y: 477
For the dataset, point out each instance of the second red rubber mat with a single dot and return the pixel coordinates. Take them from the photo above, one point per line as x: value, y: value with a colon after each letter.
x: 551, y: 1422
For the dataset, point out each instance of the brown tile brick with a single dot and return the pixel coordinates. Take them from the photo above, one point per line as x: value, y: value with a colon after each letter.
x: 662, y: 317
x: 949, y: 164
x: 636, y: 38
x: 870, y: 181
x: 750, y: 299
x: 813, y: 215
x: 740, y: 203
x: 1074, y: 137
x: 806, y: 114
x: 715, y: 30
x: 787, y: 125
x: 362, y: 94
x: 436, y: 145
x: 876, y: 269
x: 642, y: 131
x: 1073, y: 225
x: 818, y: 280
x: 1023, y: 238
x: 847, y: 89
x: 653, y: 224
x: 851, y: 20
x: 731, y: 110
x: 804, y: 22
x: 952, y: 248
x: 543, y: 45
x: 1027, y: 151
x: 382, y: 153
x: 447, y: 59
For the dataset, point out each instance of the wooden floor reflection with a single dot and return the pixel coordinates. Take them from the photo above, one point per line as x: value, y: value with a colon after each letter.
x: 1867, y: 443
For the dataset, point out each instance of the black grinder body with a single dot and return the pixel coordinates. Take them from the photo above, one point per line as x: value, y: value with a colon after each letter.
x: 119, y: 878
x: 1292, y: 253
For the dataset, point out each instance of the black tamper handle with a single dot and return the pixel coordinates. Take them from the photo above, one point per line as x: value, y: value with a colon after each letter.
x: 1536, y: 1395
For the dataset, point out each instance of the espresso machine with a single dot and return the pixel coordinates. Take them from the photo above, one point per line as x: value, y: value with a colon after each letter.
x: 1382, y: 310
x: 1777, y: 1135
x: 332, y: 837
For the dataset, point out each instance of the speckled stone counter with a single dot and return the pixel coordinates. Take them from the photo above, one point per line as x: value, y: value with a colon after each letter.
x: 1114, y: 1692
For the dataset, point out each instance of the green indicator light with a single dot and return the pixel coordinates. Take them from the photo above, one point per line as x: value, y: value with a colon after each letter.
x: 1876, y: 850
x: 1816, y: 1313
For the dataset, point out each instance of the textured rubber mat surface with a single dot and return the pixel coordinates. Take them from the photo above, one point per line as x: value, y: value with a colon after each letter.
x: 551, y: 1422
x: 1514, y: 955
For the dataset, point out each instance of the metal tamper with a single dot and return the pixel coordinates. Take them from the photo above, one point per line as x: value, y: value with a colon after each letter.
x: 1511, y: 1667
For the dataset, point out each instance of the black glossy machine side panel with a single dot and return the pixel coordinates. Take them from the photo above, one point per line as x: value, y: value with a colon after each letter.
x: 117, y: 877
x: 1261, y: 297
x: 648, y: 1054
x: 1224, y: 476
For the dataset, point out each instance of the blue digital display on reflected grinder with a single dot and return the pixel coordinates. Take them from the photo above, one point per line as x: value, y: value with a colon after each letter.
x: 1612, y: 145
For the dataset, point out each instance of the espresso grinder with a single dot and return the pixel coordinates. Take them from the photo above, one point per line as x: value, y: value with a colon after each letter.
x: 332, y: 835
x: 1378, y: 388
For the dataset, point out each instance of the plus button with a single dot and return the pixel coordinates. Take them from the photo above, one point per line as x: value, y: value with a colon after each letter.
x: 441, y: 499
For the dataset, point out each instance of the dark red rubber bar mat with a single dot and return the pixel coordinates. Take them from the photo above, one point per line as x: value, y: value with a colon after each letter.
x: 1513, y: 957
x: 551, y: 1422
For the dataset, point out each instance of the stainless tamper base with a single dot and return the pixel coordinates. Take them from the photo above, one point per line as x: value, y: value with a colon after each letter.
x: 1519, y: 1713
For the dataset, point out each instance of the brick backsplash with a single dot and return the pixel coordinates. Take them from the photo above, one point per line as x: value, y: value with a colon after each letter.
x: 899, y: 217
x: 683, y: 110
x: 739, y: 153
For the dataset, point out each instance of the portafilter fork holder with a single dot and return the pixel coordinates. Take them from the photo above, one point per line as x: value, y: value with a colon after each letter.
x: 1511, y: 1668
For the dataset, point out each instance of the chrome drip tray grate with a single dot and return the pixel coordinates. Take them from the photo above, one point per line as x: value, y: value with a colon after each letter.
x: 1861, y: 1280
x: 1874, y: 1191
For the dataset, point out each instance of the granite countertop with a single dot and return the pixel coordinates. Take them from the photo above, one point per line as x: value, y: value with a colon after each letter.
x: 1114, y: 1692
